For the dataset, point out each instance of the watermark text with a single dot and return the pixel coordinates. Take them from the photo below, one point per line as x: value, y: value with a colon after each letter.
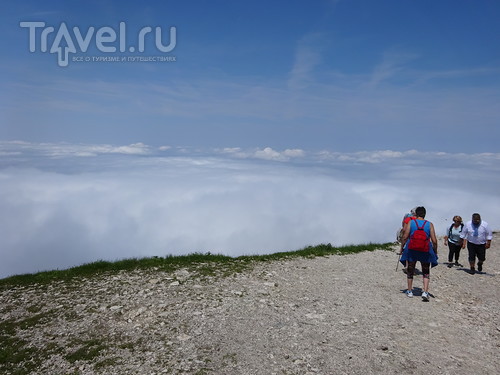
x: 63, y: 42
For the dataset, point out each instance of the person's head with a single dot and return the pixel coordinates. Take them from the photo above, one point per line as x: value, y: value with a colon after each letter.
x: 457, y: 220
x: 476, y: 219
x: 420, y: 212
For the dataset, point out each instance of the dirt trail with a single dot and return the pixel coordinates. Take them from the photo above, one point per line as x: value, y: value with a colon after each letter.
x: 326, y: 315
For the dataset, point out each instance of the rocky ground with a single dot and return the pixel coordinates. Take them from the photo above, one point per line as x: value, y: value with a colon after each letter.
x: 326, y: 315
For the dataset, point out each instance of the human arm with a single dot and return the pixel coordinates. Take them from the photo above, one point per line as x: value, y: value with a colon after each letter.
x: 463, y: 236
x: 406, y: 234
x: 489, y: 237
x: 448, y: 233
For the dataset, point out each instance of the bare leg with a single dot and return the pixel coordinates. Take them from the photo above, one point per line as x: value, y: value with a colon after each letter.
x: 426, y: 284
x: 409, y: 276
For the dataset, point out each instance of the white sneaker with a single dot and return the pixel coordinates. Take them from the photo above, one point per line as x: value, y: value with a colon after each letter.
x: 425, y: 296
x: 409, y: 293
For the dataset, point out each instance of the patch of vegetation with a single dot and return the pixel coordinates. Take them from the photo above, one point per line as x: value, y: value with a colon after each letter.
x: 34, y: 309
x: 206, y: 264
x: 71, y: 315
x: 320, y: 250
x: 34, y: 320
x: 105, y: 363
x: 229, y: 358
x: 203, y: 371
x: 17, y: 356
x: 87, y: 351
x: 128, y: 346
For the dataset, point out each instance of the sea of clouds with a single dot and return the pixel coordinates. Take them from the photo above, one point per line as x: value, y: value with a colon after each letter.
x: 62, y: 205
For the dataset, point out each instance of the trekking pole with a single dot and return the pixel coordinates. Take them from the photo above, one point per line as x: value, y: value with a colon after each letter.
x: 397, y: 264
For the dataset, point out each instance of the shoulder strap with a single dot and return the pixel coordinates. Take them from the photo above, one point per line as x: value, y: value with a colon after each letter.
x: 415, y: 221
x: 418, y: 226
x: 451, y: 227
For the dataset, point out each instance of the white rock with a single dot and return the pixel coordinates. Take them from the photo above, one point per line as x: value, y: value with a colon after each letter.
x: 315, y: 316
x: 183, y: 337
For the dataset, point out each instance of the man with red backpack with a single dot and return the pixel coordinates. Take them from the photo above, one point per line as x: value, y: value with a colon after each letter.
x: 419, y: 244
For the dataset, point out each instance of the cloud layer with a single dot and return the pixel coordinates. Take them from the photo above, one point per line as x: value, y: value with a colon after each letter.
x: 62, y: 205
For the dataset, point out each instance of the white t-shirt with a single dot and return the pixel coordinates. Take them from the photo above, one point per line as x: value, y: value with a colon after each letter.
x: 484, y: 233
x: 454, y: 236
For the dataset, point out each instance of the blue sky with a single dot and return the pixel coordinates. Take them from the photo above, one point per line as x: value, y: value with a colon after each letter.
x: 337, y: 75
x: 274, y: 125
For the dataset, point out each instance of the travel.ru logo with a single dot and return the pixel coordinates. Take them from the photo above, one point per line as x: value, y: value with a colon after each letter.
x: 106, y: 40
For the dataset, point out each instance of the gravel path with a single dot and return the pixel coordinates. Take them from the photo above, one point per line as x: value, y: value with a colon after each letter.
x: 325, y: 315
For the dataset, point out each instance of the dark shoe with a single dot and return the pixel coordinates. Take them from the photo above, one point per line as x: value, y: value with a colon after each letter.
x: 472, y: 271
x: 450, y: 265
x: 458, y: 264
x: 480, y: 267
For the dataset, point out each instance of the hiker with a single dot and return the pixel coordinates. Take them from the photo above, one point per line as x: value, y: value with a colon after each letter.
x: 477, y: 235
x: 406, y: 220
x: 419, y: 245
x: 453, y: 241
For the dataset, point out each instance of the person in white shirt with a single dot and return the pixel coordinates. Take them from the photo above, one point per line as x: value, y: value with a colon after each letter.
x: 477, y: 235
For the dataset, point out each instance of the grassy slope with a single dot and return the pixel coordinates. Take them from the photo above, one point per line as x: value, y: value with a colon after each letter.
x: 203, y: 263
x: 19, y: 356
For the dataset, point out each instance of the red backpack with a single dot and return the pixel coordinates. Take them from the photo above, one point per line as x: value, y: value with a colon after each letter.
x: 419, y: 240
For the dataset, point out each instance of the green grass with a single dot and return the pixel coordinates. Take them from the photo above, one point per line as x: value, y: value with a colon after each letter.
x: 88, y: 351
x: 18, y: 357
x: 203, y: 264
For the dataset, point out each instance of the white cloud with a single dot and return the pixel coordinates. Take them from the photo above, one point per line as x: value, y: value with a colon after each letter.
x: 134, y: 149
x: 66, y: 149
x: 269, y: 154
x: 64, y: 211
x: 266, y: 153
x: 294, y: 153
x: 391, y: 66
x: 307, y: 58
